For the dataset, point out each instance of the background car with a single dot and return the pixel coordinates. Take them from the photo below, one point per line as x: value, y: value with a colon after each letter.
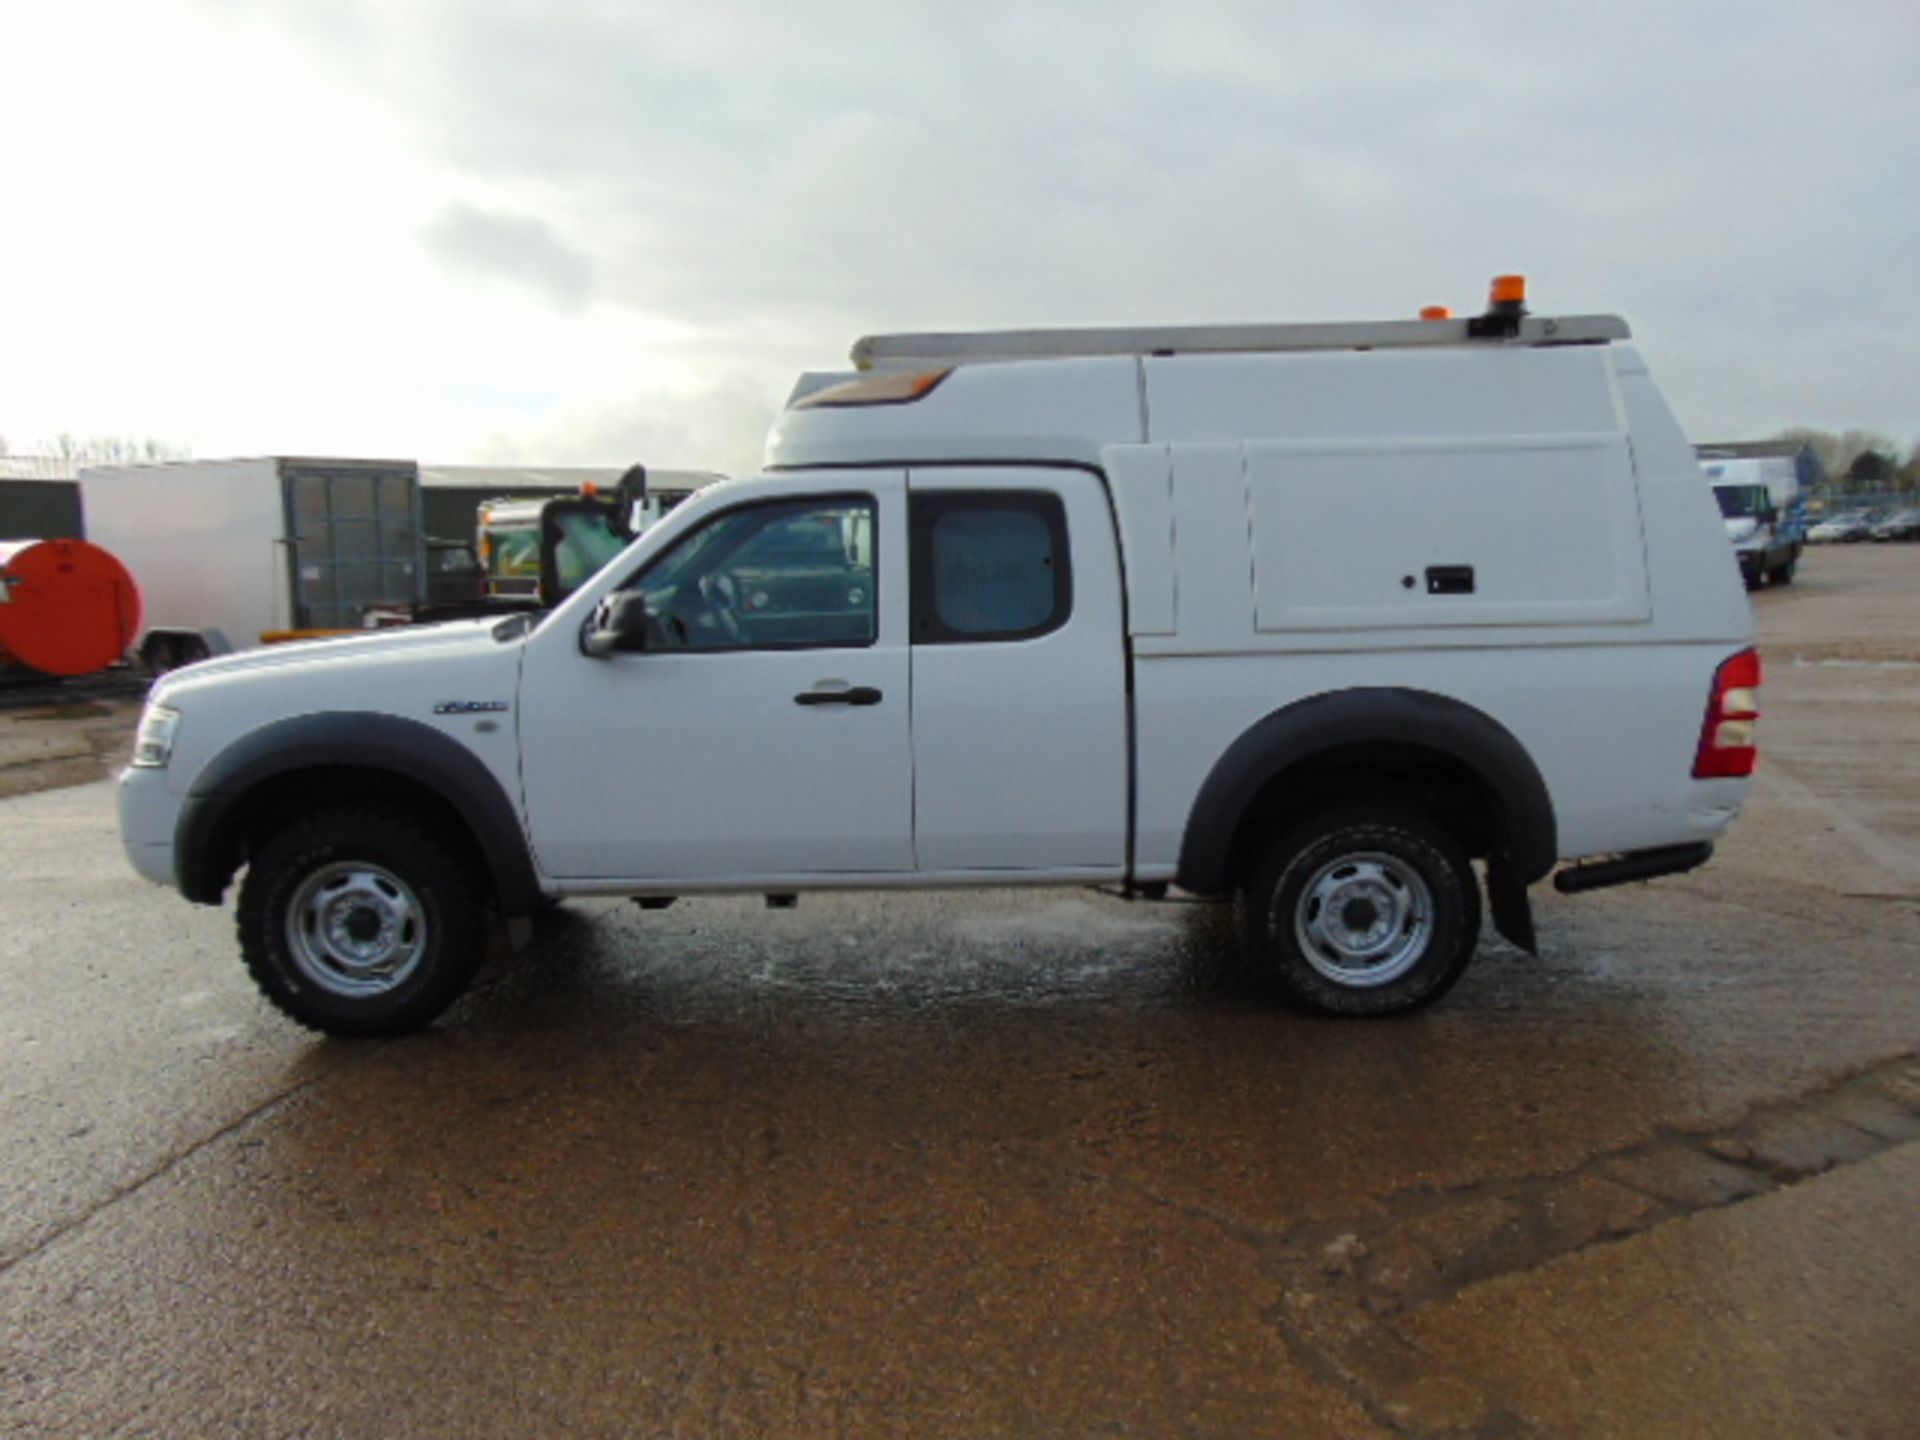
x: 1848, y: 526
x: 1905, y: 525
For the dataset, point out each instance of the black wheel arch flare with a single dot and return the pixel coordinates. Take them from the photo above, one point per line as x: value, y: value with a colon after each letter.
x: 1527, y: 836
x: 204, y: 854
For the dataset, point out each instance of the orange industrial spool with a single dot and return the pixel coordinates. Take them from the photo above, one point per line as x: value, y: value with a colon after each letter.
x: 66, y: 607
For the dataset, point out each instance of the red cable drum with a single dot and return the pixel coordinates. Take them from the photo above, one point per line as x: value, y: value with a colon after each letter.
x: 66, y: 607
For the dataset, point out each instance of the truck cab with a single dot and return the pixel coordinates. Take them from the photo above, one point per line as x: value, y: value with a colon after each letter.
x: 538, y: 551
x: 1764, y: 513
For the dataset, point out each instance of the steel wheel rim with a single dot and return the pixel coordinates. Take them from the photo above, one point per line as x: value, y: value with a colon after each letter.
x: 1364, y: 920
x: 356, y: 929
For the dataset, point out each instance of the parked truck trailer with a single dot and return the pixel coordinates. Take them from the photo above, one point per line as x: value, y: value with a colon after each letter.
x: 230, y: 554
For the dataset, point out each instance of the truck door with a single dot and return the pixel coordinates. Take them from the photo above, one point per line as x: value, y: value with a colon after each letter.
x: 1019, y: 673
x: 763, y: 733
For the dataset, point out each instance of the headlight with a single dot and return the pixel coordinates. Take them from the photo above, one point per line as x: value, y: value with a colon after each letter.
x: 153, y: 745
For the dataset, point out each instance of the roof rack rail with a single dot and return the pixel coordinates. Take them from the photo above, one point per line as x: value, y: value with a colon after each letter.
x: 893, y: 352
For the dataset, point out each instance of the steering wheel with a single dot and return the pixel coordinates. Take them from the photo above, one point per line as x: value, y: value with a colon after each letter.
x: 722, y: 598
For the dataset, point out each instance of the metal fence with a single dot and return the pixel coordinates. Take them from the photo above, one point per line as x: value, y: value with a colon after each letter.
x: 1835, y: 501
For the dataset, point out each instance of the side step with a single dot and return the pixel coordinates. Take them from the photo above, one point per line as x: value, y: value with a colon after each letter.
x: 1634, y: 865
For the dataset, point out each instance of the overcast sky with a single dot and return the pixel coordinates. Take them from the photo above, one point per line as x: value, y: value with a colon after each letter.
x: 594, y: 231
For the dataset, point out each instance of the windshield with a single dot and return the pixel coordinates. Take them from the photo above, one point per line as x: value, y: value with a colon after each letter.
x: 511, y: 554
x: 587, y: 542
x: 1738, y: 502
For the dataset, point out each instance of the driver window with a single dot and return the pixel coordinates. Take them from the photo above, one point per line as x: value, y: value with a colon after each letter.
x: 788, y: 574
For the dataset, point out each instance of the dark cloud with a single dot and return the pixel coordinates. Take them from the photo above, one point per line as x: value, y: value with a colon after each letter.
x: 515, y: 250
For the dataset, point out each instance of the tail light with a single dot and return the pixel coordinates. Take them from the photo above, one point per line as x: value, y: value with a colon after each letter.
x: 1727, y: 740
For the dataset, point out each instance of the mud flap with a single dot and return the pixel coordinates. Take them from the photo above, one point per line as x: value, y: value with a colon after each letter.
x: 1507, y: 899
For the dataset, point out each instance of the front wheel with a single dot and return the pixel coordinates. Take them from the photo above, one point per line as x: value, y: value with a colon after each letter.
x: 360, y: 922
x: 1361, y: 911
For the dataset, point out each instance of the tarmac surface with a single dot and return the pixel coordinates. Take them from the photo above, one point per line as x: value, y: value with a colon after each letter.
x: 1006, y: 1163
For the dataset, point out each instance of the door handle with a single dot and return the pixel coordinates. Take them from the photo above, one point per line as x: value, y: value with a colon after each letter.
x: 858, y: 695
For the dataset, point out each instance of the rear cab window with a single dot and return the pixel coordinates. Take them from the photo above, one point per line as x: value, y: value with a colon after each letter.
x: 988, y: 565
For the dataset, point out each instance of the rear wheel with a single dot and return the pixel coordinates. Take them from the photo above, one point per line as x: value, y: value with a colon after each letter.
x: 360, y: 922
x: 1361, y: 911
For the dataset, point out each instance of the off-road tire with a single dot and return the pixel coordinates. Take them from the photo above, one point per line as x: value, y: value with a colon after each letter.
x: 1348, y: 875
x: 411, y: 885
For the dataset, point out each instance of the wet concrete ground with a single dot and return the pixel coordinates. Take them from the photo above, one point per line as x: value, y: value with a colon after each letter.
x: 50, y: 738
x: 1006, y: 1164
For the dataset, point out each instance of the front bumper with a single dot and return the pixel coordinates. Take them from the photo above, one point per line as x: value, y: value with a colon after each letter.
x: 148, y: 810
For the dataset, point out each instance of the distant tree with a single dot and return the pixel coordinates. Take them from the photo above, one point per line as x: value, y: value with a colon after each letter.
x: 1909, y: 472
x: 1870, y: 467
x: 1829, y: 447
x: 116, y: 450
x: 1856, y: 443
x: 1841, y: 452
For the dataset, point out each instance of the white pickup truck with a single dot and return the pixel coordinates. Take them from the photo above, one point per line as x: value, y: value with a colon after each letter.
x: 1313, y: 617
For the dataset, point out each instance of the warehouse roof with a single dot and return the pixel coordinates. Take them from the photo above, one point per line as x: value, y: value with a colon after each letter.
x: 35, y: 467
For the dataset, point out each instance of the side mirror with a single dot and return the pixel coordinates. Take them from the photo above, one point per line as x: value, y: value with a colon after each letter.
x: 1769, y: 516
x: 618, y: 623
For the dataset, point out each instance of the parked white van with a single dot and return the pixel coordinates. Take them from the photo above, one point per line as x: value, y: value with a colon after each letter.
x: 1312, y: 617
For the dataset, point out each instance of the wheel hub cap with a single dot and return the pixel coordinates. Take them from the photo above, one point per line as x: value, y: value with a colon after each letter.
x: 1364, y: 920
x: 1360, y: 915
x: 356, y: 929
x: 365, y: 924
